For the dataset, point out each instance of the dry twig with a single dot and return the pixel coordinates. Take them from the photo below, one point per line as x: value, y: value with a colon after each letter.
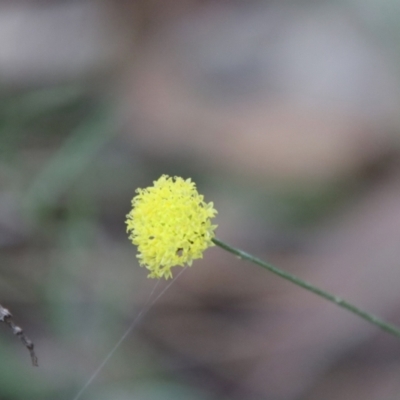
x: 6, y: 317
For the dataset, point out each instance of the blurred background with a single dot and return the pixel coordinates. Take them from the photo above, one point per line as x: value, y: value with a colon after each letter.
x: 285, y: 113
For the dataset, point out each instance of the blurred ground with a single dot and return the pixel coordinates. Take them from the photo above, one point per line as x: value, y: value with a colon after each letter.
x: 284, y: 113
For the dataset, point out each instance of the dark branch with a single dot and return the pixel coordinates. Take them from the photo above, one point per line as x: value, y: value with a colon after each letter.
x: 6, y: 317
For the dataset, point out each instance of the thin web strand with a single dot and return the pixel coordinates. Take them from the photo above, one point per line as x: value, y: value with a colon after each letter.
x: 146, y: 308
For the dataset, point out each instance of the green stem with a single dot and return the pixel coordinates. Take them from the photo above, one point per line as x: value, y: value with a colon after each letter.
x: 311, y: 288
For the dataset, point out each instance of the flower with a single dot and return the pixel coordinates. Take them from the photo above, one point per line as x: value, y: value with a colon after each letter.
x: 170, y: 224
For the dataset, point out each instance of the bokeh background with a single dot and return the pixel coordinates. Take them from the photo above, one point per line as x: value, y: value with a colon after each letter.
x: 285, y: 113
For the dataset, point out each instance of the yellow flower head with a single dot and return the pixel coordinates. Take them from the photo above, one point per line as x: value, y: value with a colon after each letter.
x: 170, y: 224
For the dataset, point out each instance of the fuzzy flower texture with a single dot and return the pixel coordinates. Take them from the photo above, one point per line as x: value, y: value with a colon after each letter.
x: 170, y: 224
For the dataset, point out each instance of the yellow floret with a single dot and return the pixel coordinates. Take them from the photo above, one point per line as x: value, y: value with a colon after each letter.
x: 170, y: 224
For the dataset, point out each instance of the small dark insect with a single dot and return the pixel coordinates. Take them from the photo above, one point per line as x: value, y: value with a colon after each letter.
x: 6, y: 317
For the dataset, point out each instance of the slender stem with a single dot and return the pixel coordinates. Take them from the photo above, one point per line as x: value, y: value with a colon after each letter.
x: 311, y: 288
